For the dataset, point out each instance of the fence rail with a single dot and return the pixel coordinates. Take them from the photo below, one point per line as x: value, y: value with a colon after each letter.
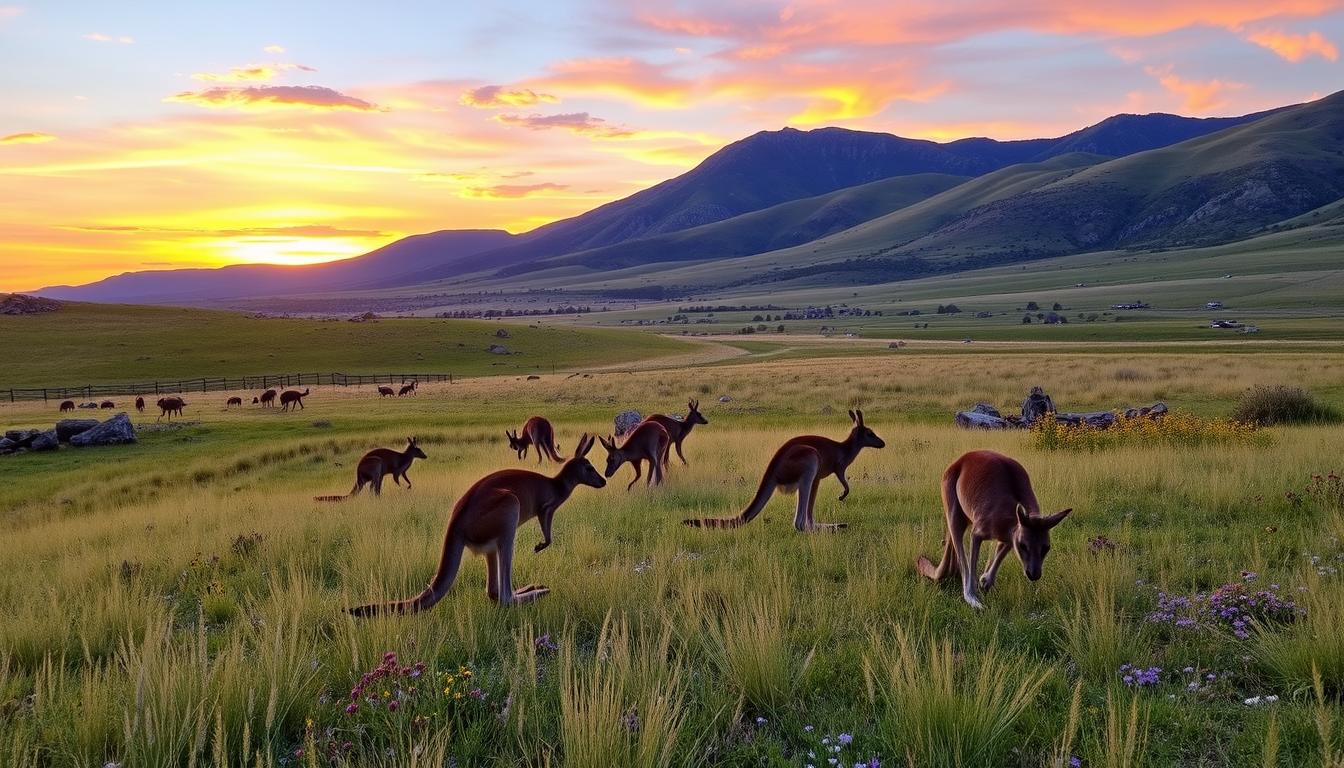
x: 95, y: 391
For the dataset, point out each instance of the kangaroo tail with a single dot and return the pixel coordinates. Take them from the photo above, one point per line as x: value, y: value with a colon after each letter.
x: 353, y: 492
x: 449, y: 563
x: 553, y: 452
x: 763, y: 493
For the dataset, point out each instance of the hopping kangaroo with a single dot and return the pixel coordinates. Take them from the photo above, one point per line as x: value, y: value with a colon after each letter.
x: 647, y: 442
x: 800, y: 465
x: 486, y: 521
x: 292, y: 397
x: 377, y: 464
x: 990, y: 494
x: 266, y: 399
x: 386, y: 392
x: 170, y: 405
x: 539, y: 432
x: 678, y: 430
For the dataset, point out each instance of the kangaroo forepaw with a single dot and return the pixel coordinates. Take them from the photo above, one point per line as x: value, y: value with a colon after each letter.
x: 986, y: 582
x: 842, y: 496
x: 541, y: 545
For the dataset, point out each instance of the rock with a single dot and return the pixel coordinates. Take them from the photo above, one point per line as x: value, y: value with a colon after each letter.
x: 7, y: 445
x: 502, y: 333
x: 21, y: 435
x: 115, y: 431
x: 68, y: 428
x: 987, y: 410
x: 626, y: 421
x: 976, y: 418
x: 88, y: 405
x: 498, y: 349
x: 1036, y: 405
x: 725, y: 399
x: 47, y: 441
x: 19, y: 304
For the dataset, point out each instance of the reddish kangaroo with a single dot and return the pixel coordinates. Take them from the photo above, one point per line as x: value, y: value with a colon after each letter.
x: 800, y: 465
x: 170, y: 405
x: 232, y: 401
x: 990, y: 494
x: 140, y: 404
x: 377, y: 464
x: 385, y: 392
x: 677, y: 430
x: 646, y: 442
x: 292, y: 397
x: 486, y: 520
x: 107, y: 405
x: 408, y: 389
x: 68, y: 405
x: 539, y: 432
x: 266, y: 399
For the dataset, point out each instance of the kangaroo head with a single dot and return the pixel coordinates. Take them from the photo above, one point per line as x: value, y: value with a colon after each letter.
x: 1031, y: 539
x: 514, y: 442
x: 579, y: 469
x: 413, y: 448
x: 693, y: 415
x: 861, y: 434
x: 615, y: 457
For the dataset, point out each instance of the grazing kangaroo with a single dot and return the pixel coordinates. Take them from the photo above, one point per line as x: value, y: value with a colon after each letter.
x: 539, y: 432
x: 377, y: 464
x: 646, y: 442
x: 990, y: 494
x: 291, y: 397
x: 107, y: 405
x: 170, y: 405
x: 486, y: 520
x: 68, y: 405
x: 678, y: 430
x: 386, y: 392
x: 408, y: 389
x: 266, y: 399
x: 140, y: 405
x: 232, y: 401
x: 800, y: 465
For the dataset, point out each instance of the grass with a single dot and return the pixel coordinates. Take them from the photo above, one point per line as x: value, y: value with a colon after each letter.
x: 180, y: 599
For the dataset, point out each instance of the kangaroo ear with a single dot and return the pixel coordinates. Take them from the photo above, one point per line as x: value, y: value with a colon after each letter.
x: 1023, y: 519
x: 1055, y: 519
x: 859, y: 414
x: 852, y: 417
x: 585, y: 442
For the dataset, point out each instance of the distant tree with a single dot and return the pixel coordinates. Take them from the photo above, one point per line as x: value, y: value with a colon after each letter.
x: 757, y: 319
x: 951, y: 309
x: 1057, y: 306
x: 1026, y: 319
x: 1032, y: 306
x: 779, y: 328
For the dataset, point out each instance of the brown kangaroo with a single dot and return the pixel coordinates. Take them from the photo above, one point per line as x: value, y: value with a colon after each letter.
x: 486, y: 520
x: 232, y: 401
x: 140, y: 404
x: 800, y: 465
x: 292, y: 397
x: 646, y: 442
x: 539, y: 432
x: 408, y: 389
x: 169, y: 406
x: 386, y: 392
x: 266, y: 399
x: 107, y: 405
x: 677, y: 430
x: 68, y: 405
x: 990, y: 494
x: 377, y: 464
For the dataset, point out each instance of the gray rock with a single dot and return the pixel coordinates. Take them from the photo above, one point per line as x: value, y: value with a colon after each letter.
x: 987, y: 410
x: 6, y: 445
x: 88, y: 405
x: 498, y: 349
x: 68, y: 428
x: 115, y: 431
x: 725, y: 399
x: 47, y: 441
x: 502, y: 333
x: 627, y: 421
x: 20, y: 435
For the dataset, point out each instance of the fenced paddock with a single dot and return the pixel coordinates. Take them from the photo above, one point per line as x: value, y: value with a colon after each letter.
x: 95, y: 391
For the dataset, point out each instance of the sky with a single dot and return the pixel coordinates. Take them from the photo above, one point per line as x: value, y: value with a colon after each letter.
x: 154, y: 135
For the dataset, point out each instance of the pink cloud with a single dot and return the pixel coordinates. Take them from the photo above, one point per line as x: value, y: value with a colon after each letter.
x: 274, y: 97
x: 1293, y: 47
x: 494, y: 96
x: 514, y: 191
x: 1199, y: 96
x: 578, y: 122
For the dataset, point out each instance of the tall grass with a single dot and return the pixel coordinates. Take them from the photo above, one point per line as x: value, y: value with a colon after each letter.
x: 748, y: 644
x: 1124, y: 739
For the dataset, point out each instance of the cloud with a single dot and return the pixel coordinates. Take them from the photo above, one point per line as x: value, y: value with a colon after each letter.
x: 9, y: 12
x: 624, y: 77
x: 494, y: 96
x: 1197, y: 95
x: 514, y: 191
x: 301, y: 230
x: 27, y: 138
x: 276, y: 49
x: 578, y: 122
x: 250, y: 73
x: 274, y: 97
x: 1293, y: 47
x: 99, y: 37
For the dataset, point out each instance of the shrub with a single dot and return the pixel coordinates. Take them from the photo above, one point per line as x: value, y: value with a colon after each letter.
x: 1265, y: 406
x: 1174, y: 430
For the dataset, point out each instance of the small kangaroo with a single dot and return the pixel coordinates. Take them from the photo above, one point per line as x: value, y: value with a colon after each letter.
x: 486, y: 520
x: 170, y: 405
x: 646, y: 442
x: 678, y: 430
x: 990, y: 494
x: 292, y: 397
x: 68, y: 405
x: 800, y: 465
x: 377, y: 464
x: 408, y: 389
x: 386, y: 392
x: 266, y: 399
x: 539, y: 432
x: 232, y: 401
x: 140, y: 405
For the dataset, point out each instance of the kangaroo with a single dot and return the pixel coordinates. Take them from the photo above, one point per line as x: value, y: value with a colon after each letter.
x: 486, y: 520
x: 646, y: 442
x: 107, y: 405
x: 990, y: 494
x: 140, y: 405
x: 377, y: 464
x: 539, y: 432
x: 385, y: 392
x: 266, y: 399
x: 678, y: 430
x: 232, y: 401
x: 170, y: 405
x: 292, y: 397
x: 408, y: 389
x: 68, y: 405
x: 800, y: 465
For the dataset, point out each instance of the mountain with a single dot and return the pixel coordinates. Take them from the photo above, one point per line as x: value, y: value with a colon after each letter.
x: 387, y: 266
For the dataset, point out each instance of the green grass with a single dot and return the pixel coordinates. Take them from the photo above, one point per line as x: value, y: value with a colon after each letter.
x: 182, y: 597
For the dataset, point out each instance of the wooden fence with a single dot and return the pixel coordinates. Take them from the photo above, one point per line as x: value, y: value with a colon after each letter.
x: 280, y: 380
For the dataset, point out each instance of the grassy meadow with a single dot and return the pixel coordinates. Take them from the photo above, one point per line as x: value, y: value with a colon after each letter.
x: 179, y: 601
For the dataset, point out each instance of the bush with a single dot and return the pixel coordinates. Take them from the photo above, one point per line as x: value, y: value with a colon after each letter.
x: 1175, y: 429
x: 1265, y: 405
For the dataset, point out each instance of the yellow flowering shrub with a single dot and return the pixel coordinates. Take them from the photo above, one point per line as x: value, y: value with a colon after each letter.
x: 1176, y: 429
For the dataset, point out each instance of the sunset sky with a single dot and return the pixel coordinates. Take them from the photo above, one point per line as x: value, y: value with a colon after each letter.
x: 147, y: 135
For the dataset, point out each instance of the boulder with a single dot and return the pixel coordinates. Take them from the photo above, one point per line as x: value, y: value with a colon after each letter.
x: 502, y: 333
x: 627, y: 421
x: 68, y: 428
x: 47, y: 441
x: 725, y: 399
x: 89, y: 405
x: 987, y: 410
x: 21, y: 435
x: 498, y: 349
x: 115, y: 431
x: 1036, y: 405
x: 7, y: 445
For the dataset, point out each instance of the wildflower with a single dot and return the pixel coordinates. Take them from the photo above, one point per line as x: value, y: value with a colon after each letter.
x: 1134, y: 677
x: 392, y: 706
x: 846, y: 739
x: 1188, y: 670
x: 545, y: 644
x: 1075, y: 761
x: 761, y: 721
x: 874, y: 763
x: 807, y: 728
x: 351, y: 709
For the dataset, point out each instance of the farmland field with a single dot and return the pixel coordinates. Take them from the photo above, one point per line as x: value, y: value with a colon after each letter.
x: 181, y: 599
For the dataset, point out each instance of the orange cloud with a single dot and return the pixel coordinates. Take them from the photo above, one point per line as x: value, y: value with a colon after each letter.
x: 578, y: 122
x: 514, y: 191
x: 264, y: 97
x: 1198, y: 95
x: 26, y: 138
x: 1295, y: 48
x: 687, y: 25
x: 251, y: 73
x: 494, y: 96
x: 626, y: 78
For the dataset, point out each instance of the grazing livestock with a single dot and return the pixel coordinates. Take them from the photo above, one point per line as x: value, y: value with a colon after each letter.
x: 386, y: 392
x: 107, y: 405
x: 68, y: 405
x: 140, y: 404
x: 169, y: 406
x: 266, y: 399
x: 378, y: 463
x: 408, y: 389
x: 292, y: 397
x: 232, y: 401
x: 539, y: 432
